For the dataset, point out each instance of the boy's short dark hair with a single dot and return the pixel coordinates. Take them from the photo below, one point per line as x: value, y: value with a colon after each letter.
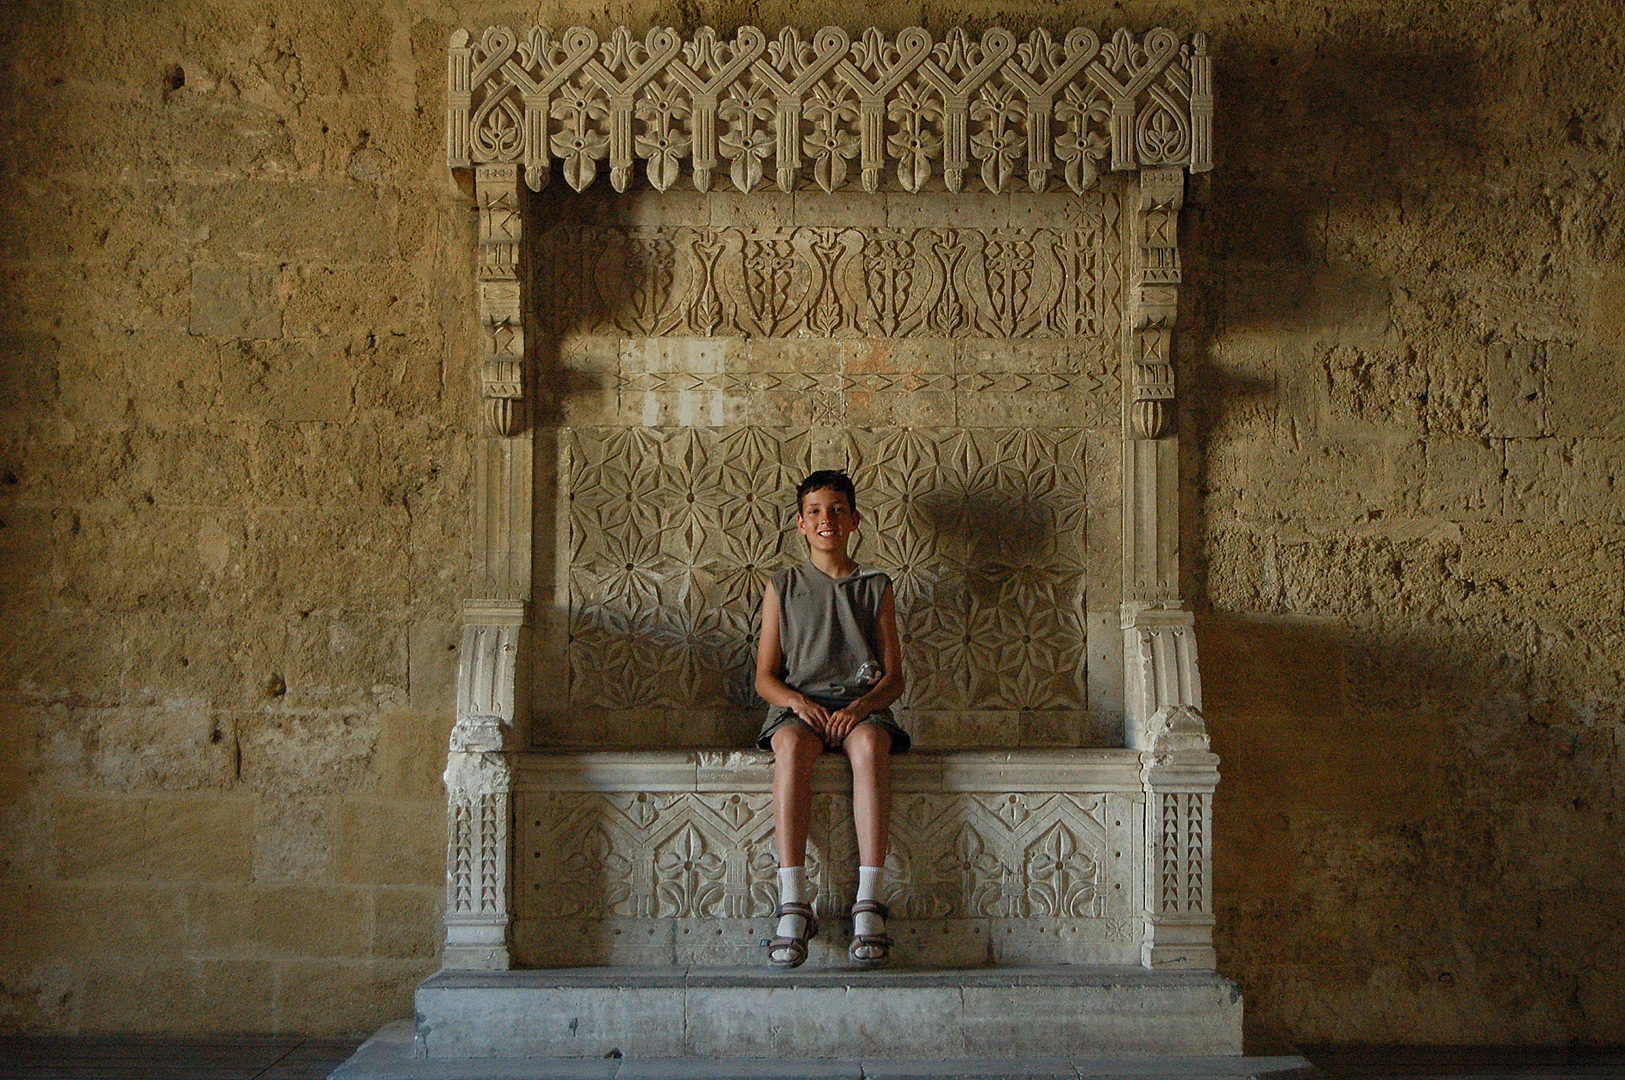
x: 833, y: 479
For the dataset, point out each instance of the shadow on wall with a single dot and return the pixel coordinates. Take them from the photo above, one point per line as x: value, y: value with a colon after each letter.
x: 1416, y: 835
x: 1410, y: 842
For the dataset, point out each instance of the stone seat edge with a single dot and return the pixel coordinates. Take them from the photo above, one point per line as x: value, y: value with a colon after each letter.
x: 646, y: 978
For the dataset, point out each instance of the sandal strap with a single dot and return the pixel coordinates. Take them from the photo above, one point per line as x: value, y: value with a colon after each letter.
x: 795, y: 947
x: 882, y: 941
x: 804, y: 910
x: 871, y: 907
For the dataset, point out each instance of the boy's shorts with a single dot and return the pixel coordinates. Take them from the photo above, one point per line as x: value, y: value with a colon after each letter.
x: 780, y: 715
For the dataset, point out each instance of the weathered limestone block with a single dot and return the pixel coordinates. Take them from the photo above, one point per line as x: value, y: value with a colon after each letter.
x: 154, y: 839
x: 235, y: 302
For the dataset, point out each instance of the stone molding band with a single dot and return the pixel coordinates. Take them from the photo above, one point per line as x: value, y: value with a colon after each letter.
x: 837, y: 111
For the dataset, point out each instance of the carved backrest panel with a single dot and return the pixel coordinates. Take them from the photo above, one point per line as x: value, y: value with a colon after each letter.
x: 829, y: 109
x: 968, y: 378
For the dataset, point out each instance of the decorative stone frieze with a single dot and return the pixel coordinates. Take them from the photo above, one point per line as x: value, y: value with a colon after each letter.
x: 830, y: 108
x: 1044, y: 283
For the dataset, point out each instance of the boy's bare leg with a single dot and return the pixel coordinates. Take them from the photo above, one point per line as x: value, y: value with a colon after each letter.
x: 868, y: 747
x: 795, y: 752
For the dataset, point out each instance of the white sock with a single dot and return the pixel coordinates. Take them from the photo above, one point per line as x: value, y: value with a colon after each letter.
x: 792, y: 890
x: 869, y: 889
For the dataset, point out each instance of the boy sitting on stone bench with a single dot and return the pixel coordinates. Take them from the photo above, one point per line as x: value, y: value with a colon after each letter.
x: 828, y: 665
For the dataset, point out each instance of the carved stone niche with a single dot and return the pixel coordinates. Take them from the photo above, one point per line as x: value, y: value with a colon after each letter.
x: 952, y: 268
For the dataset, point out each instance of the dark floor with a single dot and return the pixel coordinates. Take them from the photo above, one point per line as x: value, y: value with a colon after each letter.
x: 1474, y: 1062
x: 114, y: 1058
x: 293, y: 1058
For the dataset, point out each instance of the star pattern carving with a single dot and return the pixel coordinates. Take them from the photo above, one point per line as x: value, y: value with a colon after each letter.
x: 673, y: 533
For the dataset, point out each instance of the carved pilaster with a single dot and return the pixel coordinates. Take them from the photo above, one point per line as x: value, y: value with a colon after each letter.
x: 1154, y: 299
x: 479, y: 823
x: 1179, y: 786
x: 502, y: 332
x: 492, y: 700
x: 1151, y: 452
x: 492, y: 694
x: 1179, y: 774
x: 1163, y: 685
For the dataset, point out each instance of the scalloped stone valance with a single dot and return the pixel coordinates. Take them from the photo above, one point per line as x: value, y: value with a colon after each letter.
x: 843, y: 111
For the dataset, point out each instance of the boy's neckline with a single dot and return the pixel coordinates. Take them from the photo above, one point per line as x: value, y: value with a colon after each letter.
x: 856, y: 567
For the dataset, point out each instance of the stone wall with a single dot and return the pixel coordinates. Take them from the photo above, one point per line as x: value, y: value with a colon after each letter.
x: 235, y: 397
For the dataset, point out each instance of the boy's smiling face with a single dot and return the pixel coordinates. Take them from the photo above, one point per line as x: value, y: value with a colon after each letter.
x: 827, y: 520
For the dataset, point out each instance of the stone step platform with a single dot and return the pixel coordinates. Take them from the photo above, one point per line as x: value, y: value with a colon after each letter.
x: 388, y: 1055
x: 649, y: 1013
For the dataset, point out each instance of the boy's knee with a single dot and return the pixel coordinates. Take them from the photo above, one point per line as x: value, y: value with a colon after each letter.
x: 797, y: 743
x: 869, y: 740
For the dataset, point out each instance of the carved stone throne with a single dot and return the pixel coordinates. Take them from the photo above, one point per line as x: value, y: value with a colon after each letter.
x: 951, y: 268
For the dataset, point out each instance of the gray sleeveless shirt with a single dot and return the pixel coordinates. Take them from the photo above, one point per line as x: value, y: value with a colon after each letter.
x: 827, y: 628
x: 828, y: 632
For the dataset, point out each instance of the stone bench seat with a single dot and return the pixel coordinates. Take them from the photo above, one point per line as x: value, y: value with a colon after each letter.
x: 666, y: 859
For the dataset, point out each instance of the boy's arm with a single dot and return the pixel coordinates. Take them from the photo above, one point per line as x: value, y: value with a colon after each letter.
x: 890, y: 686
x: 770, y: 661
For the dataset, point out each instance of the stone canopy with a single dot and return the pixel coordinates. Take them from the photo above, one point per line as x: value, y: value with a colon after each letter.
x: 830, y: 109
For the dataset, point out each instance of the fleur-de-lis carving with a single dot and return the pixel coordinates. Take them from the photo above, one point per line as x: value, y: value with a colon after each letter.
x: 662, y: 142
x: 1085, y: 141
x: 744, y: 146
x: 914, y: 144
x: 995, y: 143
x: 580, y: 145
x: 831, y: 143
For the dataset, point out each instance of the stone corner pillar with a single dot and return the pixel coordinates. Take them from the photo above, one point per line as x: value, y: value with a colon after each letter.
x: 1178, y: 774
x: 1178, y: 785
x: 493, y: 694
x: 491, y: 705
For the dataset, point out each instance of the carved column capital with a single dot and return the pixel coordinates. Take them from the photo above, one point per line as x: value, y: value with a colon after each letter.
x: 1164, y: 686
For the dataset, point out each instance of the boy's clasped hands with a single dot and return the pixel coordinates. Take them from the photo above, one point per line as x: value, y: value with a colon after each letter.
x: 833, y: 727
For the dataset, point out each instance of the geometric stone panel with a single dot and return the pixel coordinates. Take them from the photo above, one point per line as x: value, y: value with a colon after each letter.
x: 672, y: 534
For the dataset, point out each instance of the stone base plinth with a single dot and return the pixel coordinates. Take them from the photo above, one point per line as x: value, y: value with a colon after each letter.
x: 733, y: 1013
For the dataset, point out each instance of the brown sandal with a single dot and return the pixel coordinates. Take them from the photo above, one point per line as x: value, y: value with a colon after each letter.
x: 881, y: 942
x: 797, y: 946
